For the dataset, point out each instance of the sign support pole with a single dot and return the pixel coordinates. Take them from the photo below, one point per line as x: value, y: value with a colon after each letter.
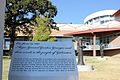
x: 2, y: 12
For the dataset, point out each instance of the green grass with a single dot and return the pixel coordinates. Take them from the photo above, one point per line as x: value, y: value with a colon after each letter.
x: 103, y: 69
x: 6, y: 63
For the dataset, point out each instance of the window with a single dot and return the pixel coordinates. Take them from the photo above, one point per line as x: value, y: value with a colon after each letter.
x: 64, y: 39
x: 101, y: 22
x: 6, y: 44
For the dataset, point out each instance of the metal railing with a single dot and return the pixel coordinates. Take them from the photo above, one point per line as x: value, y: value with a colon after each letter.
x: 106, y: 46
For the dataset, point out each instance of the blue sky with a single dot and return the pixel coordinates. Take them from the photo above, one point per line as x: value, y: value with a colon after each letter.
x: 74, y: 11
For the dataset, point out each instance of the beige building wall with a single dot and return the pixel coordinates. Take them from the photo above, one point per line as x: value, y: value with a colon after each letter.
x: 115, y: 42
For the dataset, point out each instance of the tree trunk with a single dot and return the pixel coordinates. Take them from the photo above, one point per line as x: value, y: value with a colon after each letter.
x: 11, y: 47
x: 12, y: 40
x: 80, y: 53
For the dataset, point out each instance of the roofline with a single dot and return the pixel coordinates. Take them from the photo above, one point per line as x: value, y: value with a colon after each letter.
x: 92, y: 31
x: 99, y: 13
x: 117, y: 13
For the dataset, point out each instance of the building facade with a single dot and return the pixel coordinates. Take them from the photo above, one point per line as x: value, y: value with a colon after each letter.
x: 104, y: 28
x: 103, y: 19
x: 99, y: 27
x: 100, y: 17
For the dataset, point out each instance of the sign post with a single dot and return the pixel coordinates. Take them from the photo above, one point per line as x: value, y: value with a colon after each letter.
x: 2, y: 12
x: 43, y: 61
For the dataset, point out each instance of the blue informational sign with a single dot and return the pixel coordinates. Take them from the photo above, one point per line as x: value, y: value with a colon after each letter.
x: 43, y: 61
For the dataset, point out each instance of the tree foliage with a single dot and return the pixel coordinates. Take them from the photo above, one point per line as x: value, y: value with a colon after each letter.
x: 42, y: 30
x: 20, y: 13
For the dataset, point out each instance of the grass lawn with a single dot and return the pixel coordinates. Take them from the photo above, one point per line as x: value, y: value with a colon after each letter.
x: 6, y: 63
x: 103, y: 69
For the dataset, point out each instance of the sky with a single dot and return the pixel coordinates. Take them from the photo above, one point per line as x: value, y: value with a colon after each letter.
x: 75, y: 11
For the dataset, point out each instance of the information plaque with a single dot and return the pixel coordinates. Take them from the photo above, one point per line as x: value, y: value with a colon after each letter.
x: 43, y: 61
